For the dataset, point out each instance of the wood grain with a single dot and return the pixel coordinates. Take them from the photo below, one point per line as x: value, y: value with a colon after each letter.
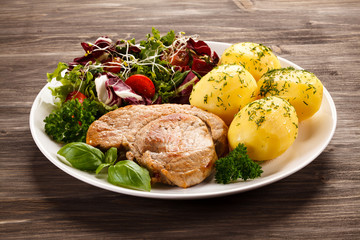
x: 39, y: 201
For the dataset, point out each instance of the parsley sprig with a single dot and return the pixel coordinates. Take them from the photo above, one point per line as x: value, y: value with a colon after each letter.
x: 70, y: 122
x: 237, y: 164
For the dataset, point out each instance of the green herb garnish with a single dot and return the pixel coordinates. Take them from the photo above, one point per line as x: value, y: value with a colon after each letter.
x: 70, y: 122
x: 237, y: 164
x: 82, y: 156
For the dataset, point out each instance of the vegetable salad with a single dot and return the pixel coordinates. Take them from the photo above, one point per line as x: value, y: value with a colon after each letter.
x: 160, y: 69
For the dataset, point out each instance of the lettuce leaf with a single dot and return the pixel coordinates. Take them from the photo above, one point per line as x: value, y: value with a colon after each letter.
x: 75, y: 79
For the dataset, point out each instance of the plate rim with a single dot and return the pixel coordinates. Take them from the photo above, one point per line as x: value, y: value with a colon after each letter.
x: 259, y: 182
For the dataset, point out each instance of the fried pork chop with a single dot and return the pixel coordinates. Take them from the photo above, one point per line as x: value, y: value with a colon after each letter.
x: 178, y: 144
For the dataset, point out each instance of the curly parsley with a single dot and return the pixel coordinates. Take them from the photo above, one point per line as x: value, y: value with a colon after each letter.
x: 235, y: 165
x: 70, y: 122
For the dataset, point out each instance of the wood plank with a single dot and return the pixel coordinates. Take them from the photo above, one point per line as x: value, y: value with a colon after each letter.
x: 39, y: 201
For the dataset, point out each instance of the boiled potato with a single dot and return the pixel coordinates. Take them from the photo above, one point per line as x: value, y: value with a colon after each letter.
x: 267, y: 127
x: 224, y: 91
x: 301, y: 88
x: 256, y: 58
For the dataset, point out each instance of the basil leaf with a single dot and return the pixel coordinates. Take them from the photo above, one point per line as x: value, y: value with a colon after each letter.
x: 128, y: 174
x: 101, y: 167
x: 82, y: 156
x: 111, y: 155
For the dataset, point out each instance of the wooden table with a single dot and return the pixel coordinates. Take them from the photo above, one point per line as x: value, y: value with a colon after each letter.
x: 39, y: 201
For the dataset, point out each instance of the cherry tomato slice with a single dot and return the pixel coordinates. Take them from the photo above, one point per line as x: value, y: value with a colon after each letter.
x: 142, y: 85
x: 75, y: 95
x: 181, y: 58
x: 113, y: 65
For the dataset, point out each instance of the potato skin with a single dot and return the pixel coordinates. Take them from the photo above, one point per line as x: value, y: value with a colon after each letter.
x: 224, y: 91
x: 267, y: 127
x: 256, y: 58
x: 301, y: 88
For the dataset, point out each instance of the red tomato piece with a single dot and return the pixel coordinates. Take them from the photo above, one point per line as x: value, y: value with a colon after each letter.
x: 113, y: 65
x: 75, y: 95
x: 181, y: 58
x: 142, y: 85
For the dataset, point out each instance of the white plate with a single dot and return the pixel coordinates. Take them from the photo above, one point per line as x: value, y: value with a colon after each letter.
x: 314, y: 135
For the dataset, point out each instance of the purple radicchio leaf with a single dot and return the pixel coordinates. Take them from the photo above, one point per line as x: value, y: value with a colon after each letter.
x: 99, y: 51
x: 182, y: 68
x: 158, y: 100
x: 112, y: 91
x: 184, y: 90
x: 82, y: 60
x: 106, y: 93
x: 124, y: 91
x: 204, y: 59
x: 200, y: 47
x: 135, y: 49
x: 101, y: 48
x: 201, y: 66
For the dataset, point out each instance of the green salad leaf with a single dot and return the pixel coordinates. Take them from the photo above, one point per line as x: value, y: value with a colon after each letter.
x: 78, y: 79
x: 154, y: 67
x: 57, y: 72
